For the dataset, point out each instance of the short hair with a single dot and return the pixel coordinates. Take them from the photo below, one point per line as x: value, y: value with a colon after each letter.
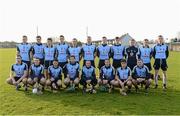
x: 38, y: 36
x: 104, y: 37
x: 132, y: 40
x: 18, y: 56
x: 160, y: 36
x: 49, y: 39
x: 89, y: 37
x: 146, y: 40
x: 24, y: 36
x: 74, y: 39
x: 117, y: 37
x: 139, y: 60
x: 73, y: 56
x: 36, y: 58
x: 56, y: 60
x: 123, y: 61
x: 61, y: 36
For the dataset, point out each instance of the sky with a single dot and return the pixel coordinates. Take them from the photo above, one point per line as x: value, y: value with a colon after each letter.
x: 140, y: 18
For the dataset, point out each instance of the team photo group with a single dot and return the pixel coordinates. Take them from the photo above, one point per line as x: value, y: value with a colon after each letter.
x: 56, y: 67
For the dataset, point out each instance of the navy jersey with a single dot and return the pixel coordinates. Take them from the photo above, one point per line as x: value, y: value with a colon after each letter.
x: 24, y: 49
x: 62, y: 52
x: 19, y: 69
x: 123, y: 73
x: 76, y: 51
x: 72, y: 70
x: 37, y: 50
x: 103, y: 52
x: 36, y: 70
x: 131, y: 53
x: 88, y: 72
x: 117, y: 51
x: 55, y: 72
x: 107, y: 72
x: 145, y: 54
x: 49, y: 53
x: 141, y: 71
x: 161, y: 51
x: 88, y: 51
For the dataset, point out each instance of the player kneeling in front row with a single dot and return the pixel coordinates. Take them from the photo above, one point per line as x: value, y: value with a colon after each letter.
x: 36, y: 76
x: 54, y: 76
x: 18, y: 74
x: 71, y: 74
x: 141, y: 75
x: 88, y: 76
x: 107, y: 77
x: 123, y: 75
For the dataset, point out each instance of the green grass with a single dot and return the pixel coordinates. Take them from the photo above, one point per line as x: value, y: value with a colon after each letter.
x: 156, y: 102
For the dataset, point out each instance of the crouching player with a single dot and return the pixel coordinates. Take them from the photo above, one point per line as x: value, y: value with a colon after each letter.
x: 123, y: 75
x: 18, y: 74
x: 141, y: 75
x: 107, y: 77
x: 54, y: 76
x: 36, y: 75
x: 88, y: 76
x: 71, y: 74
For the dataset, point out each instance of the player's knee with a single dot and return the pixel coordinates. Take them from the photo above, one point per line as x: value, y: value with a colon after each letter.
x: 66, y: 81
x: 99, y: 81
x: 30, y: 81
x: 48, y: 82
x: 116, y: 83
x: 129, y: 83
x: 43, y: 81
x: 76, y: 81
x: 24, y: 81
x: 59, y: 83
x: 88, y: 81
x: 105, y: 81
x: 9, y: 81
x: 35, y: 79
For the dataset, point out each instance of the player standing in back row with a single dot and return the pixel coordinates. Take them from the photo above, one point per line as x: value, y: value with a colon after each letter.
x: 131, y: 54
x: 160, y: 55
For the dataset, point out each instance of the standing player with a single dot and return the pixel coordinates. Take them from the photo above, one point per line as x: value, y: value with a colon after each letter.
x: 71, y: 74
x: 88, y: 76
x: 141, y: 75
x: 117, y: 52
x: 62, y: 52
x: 75, y: 50
x: 160, y: 54
x: 131, y: 54
x: 36, y: 75
x: 123, y: 75
x: 18, y: 74
x: 54, y: 76
x: 37, y: 50
x: 49, y: 55
x: 88, y: 51
x: 145, y: 53
x: 103, y: 52
x: 24, y: 50
x: 107, y: 77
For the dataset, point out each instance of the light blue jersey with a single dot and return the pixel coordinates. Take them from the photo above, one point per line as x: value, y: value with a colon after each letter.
x: 24, y: 49
x: 88, y: 51
x: 62, y: 52
x: 49, y: 53
x: 19, y: 69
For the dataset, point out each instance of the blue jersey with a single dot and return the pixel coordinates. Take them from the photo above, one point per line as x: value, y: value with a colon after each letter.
x: 62, y: 52
x: 107, y: 72
x: 72, y: 70
x: 24, y: 49
x: 141, y: 71
x: 88, y: 72
x: 117, y: 51
x: 55, y: 72
x: 145, y: 54
x: 123, y: 73
x: 49, y: 53
x: 36, y: 70
x: 19, y: 69
x: 103, y: 52
x: 161, y: 51
x: 76, y: 51
x: 38, y: 50
x: 88, y: 51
